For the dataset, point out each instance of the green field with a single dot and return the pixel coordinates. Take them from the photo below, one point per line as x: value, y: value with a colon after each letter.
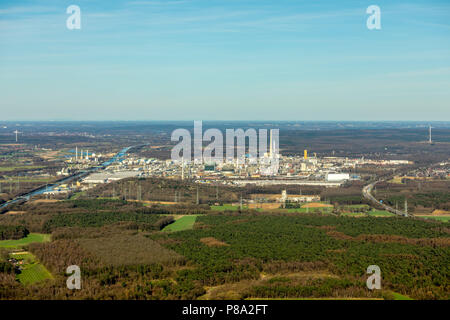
x: 359, y: 206
x: 398, y: 296
x: 76, y: 195
x: 309, y: 210
x: 34, y: 179
x: 32, y: 237
x: 224, y: 207
x: 184, y: 223
x: 380, y: 213
x: 32, y: 270
x: 26, y: 256
x: 353, y: 214
x: 12, y: 168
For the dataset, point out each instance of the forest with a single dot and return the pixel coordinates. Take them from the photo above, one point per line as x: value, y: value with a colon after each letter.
x: 123, y: 254
x: 13, y: 232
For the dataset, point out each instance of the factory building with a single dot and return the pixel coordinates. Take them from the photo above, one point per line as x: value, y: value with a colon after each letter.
x: 106, y: 177
x: 337, y: 176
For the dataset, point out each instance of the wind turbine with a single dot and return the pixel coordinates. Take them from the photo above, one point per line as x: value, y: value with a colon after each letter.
x: 429, y: 135
x: 16, y: 132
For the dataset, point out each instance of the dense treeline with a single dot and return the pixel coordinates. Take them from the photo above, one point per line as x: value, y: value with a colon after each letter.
x: 421, y: 195
x: 98, y: 219
x: 80, y: 205
x: 13, y: 232
x: 433, y: 200
x: 92, y: 205
x: 284, y: 287
x: 344, y: 196
x: 5, y: 266
x: 98, y: 212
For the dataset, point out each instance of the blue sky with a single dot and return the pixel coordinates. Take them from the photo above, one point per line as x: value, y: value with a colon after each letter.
x: 228, y: 59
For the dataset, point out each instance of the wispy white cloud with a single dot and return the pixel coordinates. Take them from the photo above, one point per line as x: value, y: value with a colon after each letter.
x: 26, y: 10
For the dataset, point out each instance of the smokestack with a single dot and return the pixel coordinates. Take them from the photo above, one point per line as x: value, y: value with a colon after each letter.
x: 182, y: 168
x: 271, y: 144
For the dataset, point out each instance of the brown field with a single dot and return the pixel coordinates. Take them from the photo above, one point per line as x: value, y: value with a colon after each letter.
x: 317, y: 205
x: 49, y: 155
x: 15, y: 212
x: 122, y: 249
x: 177, y: 216
x: 236, y: 290
x: 155, y: 202
x: 45, y: 201
x: 274, y: 196
x: 264, y: 205
x: 213, y: 242
x: 440, y: 213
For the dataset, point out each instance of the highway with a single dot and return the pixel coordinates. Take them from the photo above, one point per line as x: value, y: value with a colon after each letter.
x: 367, y: 193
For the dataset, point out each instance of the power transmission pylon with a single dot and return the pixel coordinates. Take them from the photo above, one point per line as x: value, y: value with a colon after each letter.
x: 198, y: 202
x: 139, y: 193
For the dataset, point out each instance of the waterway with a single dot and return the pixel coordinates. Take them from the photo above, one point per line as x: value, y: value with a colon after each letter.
x: 118, y: 157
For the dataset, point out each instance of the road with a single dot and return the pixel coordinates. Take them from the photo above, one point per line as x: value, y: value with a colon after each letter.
x: 367, y: 193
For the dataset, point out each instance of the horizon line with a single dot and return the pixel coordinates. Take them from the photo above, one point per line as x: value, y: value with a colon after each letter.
x: 245, y: 120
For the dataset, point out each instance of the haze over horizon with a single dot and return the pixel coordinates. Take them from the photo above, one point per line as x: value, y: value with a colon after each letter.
x: 216, y: 59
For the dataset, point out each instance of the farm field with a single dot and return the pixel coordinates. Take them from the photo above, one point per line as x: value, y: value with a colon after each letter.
x: 224, y: 207
x: 121, y: 250
x: 356, y: 206
x: 353, y: 214
x: 32, y: 271
x: 26, y: 179
x: 32, y: 237
x: 77, y: 195
x: 380, y: 213
x: 317, y: 205
x: 308, y: 210
x: 12, y: 168
x: 184, y: 223
x: 398, y: 296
